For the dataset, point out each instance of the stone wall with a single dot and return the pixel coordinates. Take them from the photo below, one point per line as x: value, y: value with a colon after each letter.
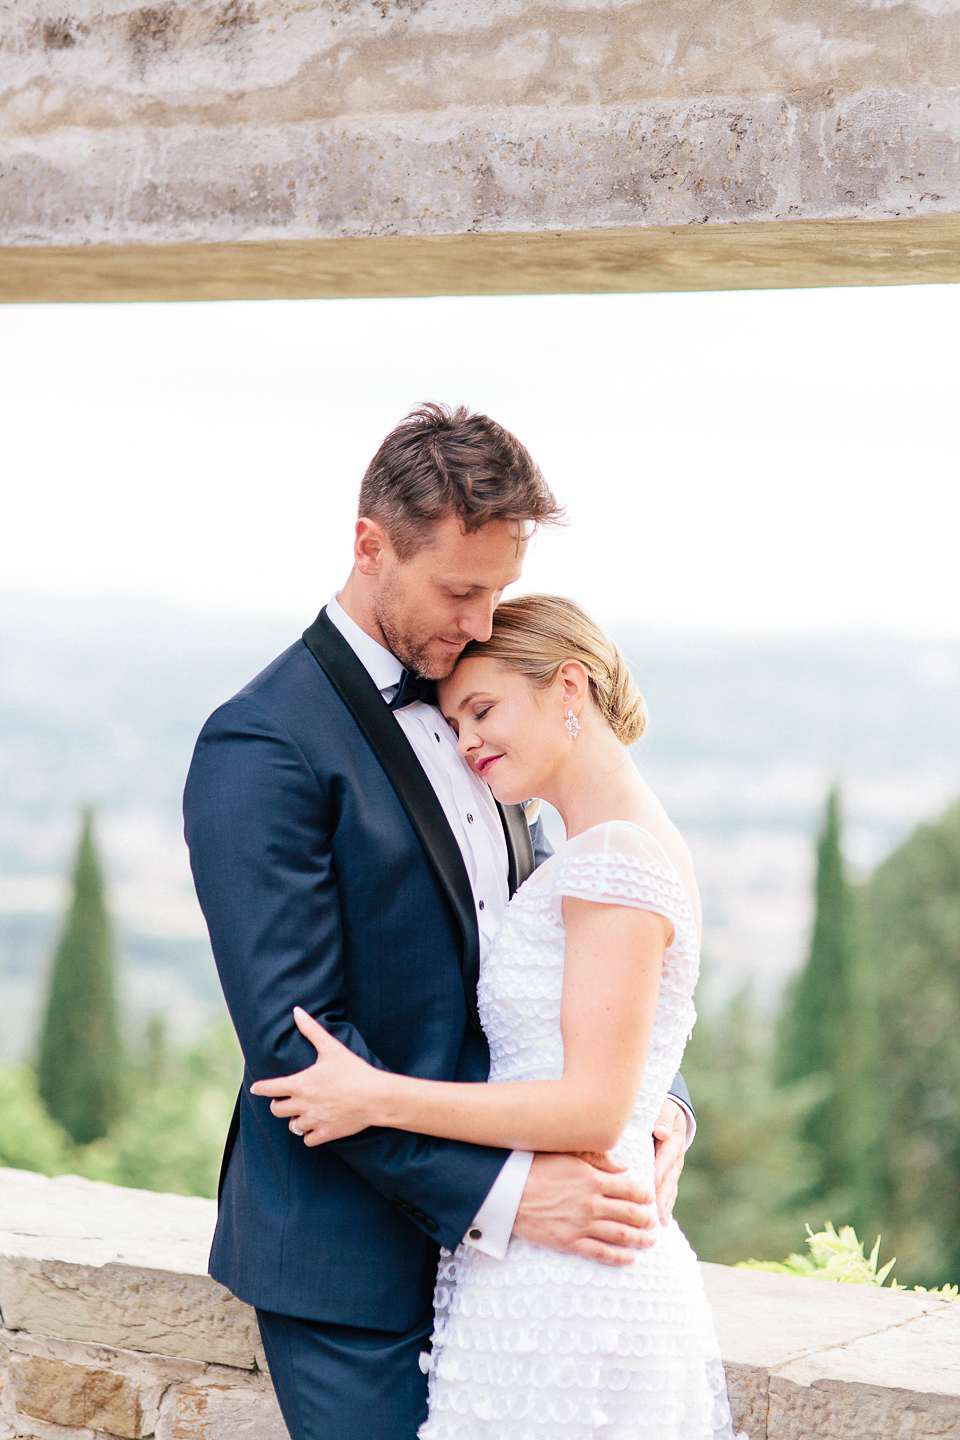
x: 112, y: 1328
x: 307, y: 128
x: 111, y: 1325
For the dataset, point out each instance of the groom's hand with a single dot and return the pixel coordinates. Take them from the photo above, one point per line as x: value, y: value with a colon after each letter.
x: 670, y: 1144
x: 572, y: 1206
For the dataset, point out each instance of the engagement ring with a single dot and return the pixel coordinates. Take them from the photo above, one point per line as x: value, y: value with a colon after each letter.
x: 296, y: 1129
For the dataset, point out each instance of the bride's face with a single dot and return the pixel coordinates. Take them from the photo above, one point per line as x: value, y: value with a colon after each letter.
x: 512, y: 732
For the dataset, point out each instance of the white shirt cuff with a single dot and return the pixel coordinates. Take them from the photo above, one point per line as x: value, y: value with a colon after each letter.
x: 691, y: 1119
x: 493, y: 1223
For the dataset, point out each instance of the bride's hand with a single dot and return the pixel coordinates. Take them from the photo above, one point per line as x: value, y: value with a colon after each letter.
x: 335, y: 1096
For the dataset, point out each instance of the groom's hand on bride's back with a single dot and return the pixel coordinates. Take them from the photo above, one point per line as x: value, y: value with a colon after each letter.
x: 572, y: 1205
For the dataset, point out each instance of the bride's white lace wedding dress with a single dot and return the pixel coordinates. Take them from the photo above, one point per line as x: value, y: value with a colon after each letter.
x: 544, y: 1346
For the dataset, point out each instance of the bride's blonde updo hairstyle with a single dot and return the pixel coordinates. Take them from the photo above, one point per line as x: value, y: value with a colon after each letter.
x: 535, y: 634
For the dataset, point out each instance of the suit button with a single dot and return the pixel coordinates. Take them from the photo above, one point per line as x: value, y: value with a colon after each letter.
x: 430, y: 1224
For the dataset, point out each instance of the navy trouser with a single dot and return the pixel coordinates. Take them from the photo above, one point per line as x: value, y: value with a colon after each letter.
x: 336, y: 1382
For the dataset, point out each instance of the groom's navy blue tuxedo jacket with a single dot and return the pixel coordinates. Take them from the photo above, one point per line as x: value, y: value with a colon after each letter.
x: 329, y: 878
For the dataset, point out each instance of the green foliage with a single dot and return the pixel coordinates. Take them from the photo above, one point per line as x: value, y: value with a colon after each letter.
x: 828, y: 1030
x: 172, y: 1131
x: 813, y: 1024
x: 171, y: 1136
x: 840, y: 1257
x: 29, y: 1139
x: 832, y: 1257
x: 748, y: 1169
x: 79, y: 1070
x: 912, y: 929
x: 865, y: 1120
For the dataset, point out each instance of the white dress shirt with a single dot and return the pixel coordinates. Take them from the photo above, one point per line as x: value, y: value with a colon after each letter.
x: 475, y: 821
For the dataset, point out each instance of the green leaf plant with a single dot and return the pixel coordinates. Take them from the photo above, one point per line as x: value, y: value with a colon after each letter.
x: 839, y: 1256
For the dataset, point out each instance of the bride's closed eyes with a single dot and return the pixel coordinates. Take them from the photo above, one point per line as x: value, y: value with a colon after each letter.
x: 476, y: 707
x: 477, y: 716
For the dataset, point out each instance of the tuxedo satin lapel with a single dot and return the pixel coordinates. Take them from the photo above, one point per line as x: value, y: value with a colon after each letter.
x: 519, y: 845
x: 393, y: 750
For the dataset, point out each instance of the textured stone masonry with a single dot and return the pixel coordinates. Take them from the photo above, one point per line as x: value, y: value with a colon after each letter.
x: 112, y: 1328
x: 195, y: 123
x: 55, y: 1388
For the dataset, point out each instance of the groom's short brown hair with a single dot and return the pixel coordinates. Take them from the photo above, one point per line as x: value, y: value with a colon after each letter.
x: 440, y: 461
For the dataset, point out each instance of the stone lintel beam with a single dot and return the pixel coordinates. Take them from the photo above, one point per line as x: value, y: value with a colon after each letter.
x: 452, y: 146
x: 772, y: 255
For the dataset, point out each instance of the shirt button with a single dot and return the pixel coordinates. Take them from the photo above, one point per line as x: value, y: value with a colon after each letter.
x: 481, y: 904
x: 475, y: 1234
x: 436, y: 737
x: 469, y: 819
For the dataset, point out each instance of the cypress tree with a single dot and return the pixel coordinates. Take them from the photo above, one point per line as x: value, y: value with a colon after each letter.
x: 912, y: 931
x: 827, y: 1030
x: 79, y: 1071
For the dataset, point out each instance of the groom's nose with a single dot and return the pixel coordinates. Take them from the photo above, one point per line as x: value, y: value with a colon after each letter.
x: 477, y: 622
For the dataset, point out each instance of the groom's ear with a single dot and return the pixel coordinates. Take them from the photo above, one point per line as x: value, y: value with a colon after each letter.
x: 370, y: 546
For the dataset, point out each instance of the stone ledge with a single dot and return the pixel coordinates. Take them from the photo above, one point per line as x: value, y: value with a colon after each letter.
x: 80, y: 1260
x: 111, y: 1327
x: 189, y: 1317
x: 806, y: 1358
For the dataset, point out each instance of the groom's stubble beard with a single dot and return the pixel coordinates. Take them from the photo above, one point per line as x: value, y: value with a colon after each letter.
x: 413, y: 651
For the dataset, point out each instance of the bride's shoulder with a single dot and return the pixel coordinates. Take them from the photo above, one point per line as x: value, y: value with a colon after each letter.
x: 615, y: 847
x: 626, y: 861
x: 656, y: 844
x: 618, y: 836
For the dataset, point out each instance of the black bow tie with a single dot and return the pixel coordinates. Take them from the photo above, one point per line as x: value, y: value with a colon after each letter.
x: 413, y: 688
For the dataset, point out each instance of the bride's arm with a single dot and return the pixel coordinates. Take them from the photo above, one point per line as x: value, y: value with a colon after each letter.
x: 610, y: 986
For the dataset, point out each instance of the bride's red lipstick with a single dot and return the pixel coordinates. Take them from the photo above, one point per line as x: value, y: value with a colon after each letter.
x: 483, y: 766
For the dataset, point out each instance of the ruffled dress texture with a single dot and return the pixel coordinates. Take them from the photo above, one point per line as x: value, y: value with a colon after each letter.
x: 544, y: 1346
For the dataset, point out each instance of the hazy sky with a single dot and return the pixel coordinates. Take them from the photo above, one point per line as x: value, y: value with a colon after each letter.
x: 770, y: 461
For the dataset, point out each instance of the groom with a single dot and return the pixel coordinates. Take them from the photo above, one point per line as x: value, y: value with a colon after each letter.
x: 347, y: 860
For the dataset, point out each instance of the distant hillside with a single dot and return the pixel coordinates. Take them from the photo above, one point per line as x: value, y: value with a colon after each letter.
x: 866, y: 703
x: 101, y: 700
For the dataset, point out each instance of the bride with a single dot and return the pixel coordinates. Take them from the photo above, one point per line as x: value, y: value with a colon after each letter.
x: 586, y: 999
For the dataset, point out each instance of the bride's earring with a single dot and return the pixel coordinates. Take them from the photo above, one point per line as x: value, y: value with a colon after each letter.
x: 573, y: 725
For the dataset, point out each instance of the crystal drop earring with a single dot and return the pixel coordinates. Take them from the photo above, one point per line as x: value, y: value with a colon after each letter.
x: 573, y: 725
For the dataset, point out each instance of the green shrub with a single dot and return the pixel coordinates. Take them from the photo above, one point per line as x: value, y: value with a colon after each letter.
x: 177, y: 1110
x: 840, y: 1257
x: 29, y: 1139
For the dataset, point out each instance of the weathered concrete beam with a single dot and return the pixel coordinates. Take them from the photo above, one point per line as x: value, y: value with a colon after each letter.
x: 878, y: 154
x: 288, y: 125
